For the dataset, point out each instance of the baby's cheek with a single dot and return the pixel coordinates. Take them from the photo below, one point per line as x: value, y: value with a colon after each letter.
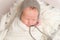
x: 25, y: 22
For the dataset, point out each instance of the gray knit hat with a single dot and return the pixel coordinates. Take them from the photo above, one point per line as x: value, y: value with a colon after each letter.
x: 30, y: 3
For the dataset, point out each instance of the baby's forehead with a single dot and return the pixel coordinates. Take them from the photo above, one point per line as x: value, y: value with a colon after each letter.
x: 31, y: 14
x: 30, y: 8
x: 29, y: 11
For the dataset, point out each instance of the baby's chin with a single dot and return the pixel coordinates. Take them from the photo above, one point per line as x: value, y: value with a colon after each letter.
x: 30, y: 25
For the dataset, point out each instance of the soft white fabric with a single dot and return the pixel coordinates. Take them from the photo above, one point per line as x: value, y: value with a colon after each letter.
x: 19, y: 31
x: 51, y: 20
x: 49, y: 17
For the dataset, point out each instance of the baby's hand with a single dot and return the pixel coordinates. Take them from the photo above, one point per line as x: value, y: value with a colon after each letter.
x: 38, y: 23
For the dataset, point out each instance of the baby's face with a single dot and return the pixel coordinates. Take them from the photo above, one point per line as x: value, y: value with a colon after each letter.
x: 29, y: 16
